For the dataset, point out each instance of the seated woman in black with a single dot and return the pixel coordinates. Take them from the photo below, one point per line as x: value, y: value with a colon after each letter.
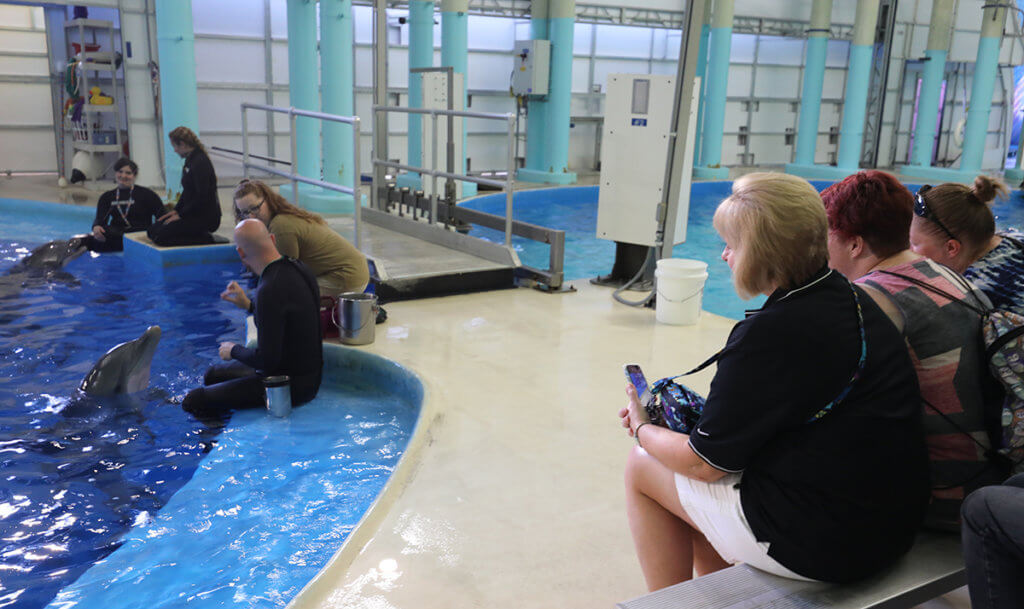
x: 809, y: 460
x: 197, y: 213
x: 125, y: 209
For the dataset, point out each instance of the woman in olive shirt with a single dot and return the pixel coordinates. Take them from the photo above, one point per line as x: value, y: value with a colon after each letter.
x: 339, y: 267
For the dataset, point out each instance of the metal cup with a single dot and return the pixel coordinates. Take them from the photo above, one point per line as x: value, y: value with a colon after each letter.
x: 279, y: 395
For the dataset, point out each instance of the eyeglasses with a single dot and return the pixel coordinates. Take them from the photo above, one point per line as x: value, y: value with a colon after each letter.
x: 250, y: 212
x: 921, y: 210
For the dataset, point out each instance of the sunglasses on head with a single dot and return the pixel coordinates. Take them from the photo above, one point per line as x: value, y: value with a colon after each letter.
x: 921, y: 210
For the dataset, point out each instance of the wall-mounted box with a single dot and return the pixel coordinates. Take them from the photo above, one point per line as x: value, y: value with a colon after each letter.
x: 532, y: 67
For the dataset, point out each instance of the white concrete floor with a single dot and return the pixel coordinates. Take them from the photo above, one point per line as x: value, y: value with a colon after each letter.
x: 513, y: 497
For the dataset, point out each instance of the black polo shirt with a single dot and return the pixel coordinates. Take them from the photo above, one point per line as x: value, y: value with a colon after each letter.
x: 841, y: 497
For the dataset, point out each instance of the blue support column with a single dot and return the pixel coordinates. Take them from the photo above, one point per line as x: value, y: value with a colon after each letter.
x: 179, y: 105
x: 931, y: 86
x: 814, y: 79
x: 985, y: 68
x: 858, y: 77
x: 554, y: 169
x: 336, y: 69
x: 304, y: 94
x: 455, y: 53
x: 715, y: 89
x: 421, y: 55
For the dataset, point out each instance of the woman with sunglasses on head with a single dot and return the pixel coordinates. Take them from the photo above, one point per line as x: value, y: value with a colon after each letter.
x: 808, y: 460
x: 196, y: 215
x: 953, y: 225
x: 125, y: 209
x: 339, y: 267
x: 938, y: 313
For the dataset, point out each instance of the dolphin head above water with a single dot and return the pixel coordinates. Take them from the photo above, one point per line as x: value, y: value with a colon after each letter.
x: 55, y: 254
x: 125, y: 368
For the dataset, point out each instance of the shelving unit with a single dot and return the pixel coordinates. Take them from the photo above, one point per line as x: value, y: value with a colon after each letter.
x: 97, y: 68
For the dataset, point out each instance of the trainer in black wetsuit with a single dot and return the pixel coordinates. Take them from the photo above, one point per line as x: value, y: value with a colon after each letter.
x: 197, y: 213
x: 125, y: 209
x: 286, y: 309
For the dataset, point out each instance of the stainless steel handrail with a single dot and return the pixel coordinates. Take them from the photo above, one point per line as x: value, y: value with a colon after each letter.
x: 295, y: 178
x: 434, y: 173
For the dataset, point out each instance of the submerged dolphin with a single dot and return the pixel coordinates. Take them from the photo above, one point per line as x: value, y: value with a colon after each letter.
x: 47, y: 261
x: 125, y: 368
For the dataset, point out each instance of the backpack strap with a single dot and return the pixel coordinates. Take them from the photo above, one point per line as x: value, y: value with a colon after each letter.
x: 980, y: 310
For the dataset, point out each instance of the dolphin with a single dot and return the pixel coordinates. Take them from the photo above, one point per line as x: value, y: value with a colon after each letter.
x: 125, y: 368
x: 46, y: 263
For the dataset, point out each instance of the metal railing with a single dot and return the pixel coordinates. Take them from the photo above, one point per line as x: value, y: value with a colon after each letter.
x: 293, y: 114
x: 507, y: 185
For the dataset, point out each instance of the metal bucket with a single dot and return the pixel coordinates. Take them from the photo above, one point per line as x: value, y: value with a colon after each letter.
x: 356, y: 317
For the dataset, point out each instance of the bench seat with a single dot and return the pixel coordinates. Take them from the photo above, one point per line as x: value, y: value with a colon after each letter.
x: 934, y: 566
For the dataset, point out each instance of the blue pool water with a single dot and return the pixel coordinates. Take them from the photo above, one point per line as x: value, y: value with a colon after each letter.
x: 574, y: 210
x: 131, y: 502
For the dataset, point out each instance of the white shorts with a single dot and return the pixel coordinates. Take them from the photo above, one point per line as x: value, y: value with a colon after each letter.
x: 715, y: 508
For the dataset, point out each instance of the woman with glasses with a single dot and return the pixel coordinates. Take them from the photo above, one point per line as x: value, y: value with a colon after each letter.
x: 125, y: 209
x: 869, y: 216
x: 339, y: 267
x: 953, y: 224
x: 196, y: 215
x: 808, y: 460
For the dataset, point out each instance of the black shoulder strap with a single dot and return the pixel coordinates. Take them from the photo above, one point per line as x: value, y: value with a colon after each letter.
x: 979, y: 309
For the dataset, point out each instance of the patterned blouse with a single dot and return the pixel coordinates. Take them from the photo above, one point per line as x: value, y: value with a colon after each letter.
x: 945, y: 346
x: 1000, y: 273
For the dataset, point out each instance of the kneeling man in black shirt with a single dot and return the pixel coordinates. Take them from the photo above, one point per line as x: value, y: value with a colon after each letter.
x: 286, y: 308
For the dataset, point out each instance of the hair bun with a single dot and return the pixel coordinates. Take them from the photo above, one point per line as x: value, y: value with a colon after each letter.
x: 986, y: 189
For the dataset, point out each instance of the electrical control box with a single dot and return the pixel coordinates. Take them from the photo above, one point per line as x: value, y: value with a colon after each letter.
x: 532, y: 69
x: 634, y: 156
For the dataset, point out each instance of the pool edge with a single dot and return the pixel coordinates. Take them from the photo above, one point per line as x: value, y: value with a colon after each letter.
x: 325, y: 582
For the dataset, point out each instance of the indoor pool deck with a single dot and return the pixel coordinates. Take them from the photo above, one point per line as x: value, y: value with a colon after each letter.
x: 516, y: 499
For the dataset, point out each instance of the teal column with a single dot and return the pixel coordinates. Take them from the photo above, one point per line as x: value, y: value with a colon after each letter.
x: 455, y: 53
x: 303, y: 83
x: 931, y: 85
x: 702, y: 68
x: 814, y: 79
x: 336, y: 72
x: 554, y: 168
x: 716, y: 87
x: 536, y: 108
x: 421, y: 55
x: 851, y: 133
x: 179, y: 105
x: 985, y: 67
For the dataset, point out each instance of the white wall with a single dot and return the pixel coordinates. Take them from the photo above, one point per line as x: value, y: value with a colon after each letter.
x: 26, y: 122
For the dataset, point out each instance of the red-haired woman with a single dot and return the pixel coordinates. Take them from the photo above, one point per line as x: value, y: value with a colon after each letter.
x: 869, y: 216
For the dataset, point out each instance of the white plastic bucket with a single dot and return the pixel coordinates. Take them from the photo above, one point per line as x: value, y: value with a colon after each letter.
x: 680, y: 286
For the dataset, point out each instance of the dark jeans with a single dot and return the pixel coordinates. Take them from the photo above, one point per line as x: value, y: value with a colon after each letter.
x: 113, y: 240
x: 234, y: 386
x: 183, y: 231
x: 993, y: 541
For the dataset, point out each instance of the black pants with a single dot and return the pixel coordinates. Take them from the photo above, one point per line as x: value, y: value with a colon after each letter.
x: 993, y: 542
x: 183, y: 231
x: 235, y: 386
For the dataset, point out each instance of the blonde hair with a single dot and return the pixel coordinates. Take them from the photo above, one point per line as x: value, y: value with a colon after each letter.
x: 273, y: 200
x: 776, y: 226
x: 186, y: 136
x: 966, y: 211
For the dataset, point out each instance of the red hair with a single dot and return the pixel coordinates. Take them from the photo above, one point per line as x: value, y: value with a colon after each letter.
x: 874, y: 206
